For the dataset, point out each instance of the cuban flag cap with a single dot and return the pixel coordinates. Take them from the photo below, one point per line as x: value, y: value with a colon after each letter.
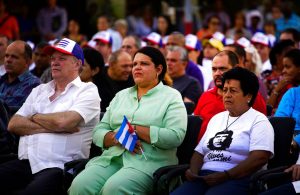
x: 104, y: 37
x: 126, y: 135
x: 66, y: 46
x: 244, y: 42
x: 261, y: 38
x: 154, y: 38
x: 192, y: 42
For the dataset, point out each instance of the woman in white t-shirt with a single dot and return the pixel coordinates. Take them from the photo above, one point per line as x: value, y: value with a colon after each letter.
x: 237, y: 143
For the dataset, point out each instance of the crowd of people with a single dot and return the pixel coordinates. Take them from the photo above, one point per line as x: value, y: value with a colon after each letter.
x: 55, y: 90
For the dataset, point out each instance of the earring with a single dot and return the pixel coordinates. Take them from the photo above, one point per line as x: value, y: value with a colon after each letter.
x: 156, y: 74
x: 248, y: 101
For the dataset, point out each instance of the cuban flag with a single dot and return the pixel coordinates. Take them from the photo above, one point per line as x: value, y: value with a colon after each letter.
x: 126, y: 135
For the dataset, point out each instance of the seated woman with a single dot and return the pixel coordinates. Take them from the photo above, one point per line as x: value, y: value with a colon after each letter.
x: 157, y: 113
x: 289, y: 106
x: 272, y: 77
x: 237, y: 143
x: 290, y: 78
x: 93, y: 65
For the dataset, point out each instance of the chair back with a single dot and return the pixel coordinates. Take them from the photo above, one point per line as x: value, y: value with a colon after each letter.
x: 186, y: 149
x: 189, y: 106
x: 283, y: 131
x: 269, y: 110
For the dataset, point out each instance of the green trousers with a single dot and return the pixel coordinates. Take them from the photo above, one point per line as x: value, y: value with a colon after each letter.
x: 114, y: 179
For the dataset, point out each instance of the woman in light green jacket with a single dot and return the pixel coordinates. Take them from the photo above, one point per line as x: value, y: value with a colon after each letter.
x: 158, y: 115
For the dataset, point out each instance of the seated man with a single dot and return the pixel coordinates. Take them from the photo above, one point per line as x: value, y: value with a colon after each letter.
x: 104, y: 41
x: 189, y: 88
x: 192, y: 69
x: 115, y: 77
x: 54, y: 124
x: 18, y: 82
x: 41, y: 60
x: 211, y: 101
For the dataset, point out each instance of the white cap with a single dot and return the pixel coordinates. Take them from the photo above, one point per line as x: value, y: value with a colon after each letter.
x: 260, y: 38
x: 244, y: 42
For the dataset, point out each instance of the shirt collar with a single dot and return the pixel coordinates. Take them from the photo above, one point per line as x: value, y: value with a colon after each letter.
x: 20, y: 78
x: 76, y: 82
x: 23, y: 76
x: 133, y: 90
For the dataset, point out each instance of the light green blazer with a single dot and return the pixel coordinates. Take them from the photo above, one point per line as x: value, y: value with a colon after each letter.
x: 162, y: 109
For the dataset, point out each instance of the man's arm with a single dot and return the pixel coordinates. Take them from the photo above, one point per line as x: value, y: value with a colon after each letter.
x: 59, y: 122
x: 21, y: 125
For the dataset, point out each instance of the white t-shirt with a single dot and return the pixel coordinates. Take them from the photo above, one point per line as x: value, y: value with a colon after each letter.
x: 266, y: 65
x: 46, y: 150
x: 223, y: 151
x: 206, y: 69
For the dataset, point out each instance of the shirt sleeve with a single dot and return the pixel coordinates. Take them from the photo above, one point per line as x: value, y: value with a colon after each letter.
x: 193, y: 91
x: 27, y: 108
x: 87, y: 103
x: 262, y: 136
x: 286, y: 105
x: 172, y: 133
x: 103, y: 127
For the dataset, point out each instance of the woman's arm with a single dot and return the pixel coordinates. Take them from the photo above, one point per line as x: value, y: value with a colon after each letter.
x: 277, y: 91
x: 195, y: 165
x: 253, y: 163
x: 143, y: 133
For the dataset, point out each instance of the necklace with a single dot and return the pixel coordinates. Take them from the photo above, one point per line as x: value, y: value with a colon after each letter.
x: 227, y: 126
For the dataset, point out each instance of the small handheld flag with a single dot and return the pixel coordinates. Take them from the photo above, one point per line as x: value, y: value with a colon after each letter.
x: 126, y: 135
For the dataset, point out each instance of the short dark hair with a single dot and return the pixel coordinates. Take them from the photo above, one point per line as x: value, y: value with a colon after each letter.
x: 279, y: 48
x: 295, y: 33
x: 239, y: 50
x: 27, y: 51
x: 41, y: 45
x: 114, y: 57
x: 232, y: 57
x: 248, y: 81
x: 93, y: 57
x: 294, y: 56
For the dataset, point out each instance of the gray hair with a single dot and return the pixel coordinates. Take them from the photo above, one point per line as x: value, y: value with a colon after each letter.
x: 181, y: 50
x: 137, y: 40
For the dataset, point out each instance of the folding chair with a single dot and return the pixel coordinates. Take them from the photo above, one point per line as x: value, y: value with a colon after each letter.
x: 283, y: 158
x: 163, y: 177
x: 190, y: 107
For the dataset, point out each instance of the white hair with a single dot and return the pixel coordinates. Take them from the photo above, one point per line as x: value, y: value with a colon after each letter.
x: 255, y: 59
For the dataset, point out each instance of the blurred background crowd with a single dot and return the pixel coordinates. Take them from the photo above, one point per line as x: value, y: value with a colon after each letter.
x: 142, y: 17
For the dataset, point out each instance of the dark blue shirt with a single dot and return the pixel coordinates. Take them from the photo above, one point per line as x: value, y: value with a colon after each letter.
x: 16, y: 92
x: 193, y: 70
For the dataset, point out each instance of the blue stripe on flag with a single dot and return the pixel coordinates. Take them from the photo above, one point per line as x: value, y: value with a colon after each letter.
x: 133, y: 142
x: 127, y: 139
x: 124, y: 123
